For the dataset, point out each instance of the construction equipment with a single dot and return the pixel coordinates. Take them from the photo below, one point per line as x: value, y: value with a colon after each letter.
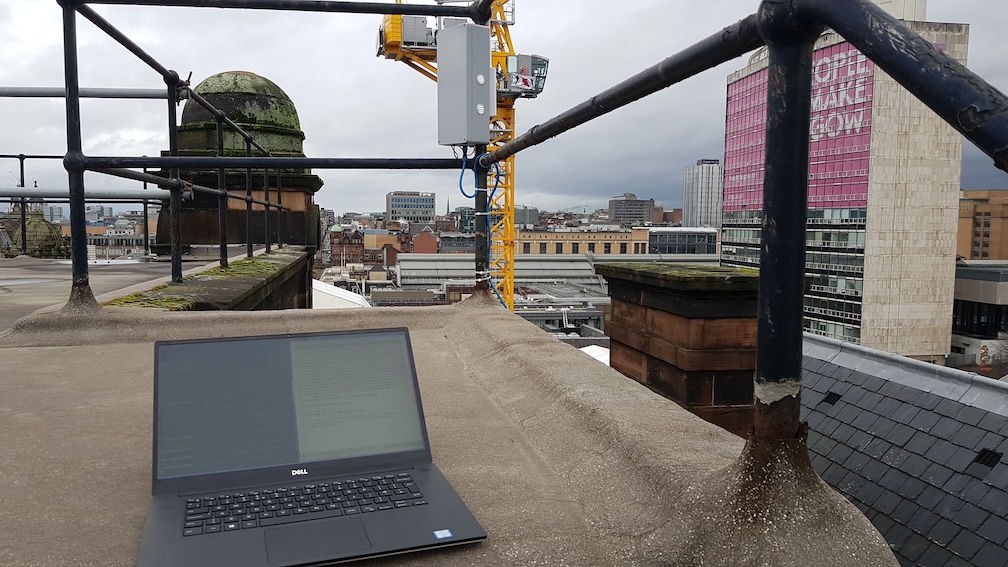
x: 410, y: 40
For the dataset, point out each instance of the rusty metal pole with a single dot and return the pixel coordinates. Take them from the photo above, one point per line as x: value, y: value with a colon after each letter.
x: 248, y: 201
x: 172, y: 81
x: 482, y: 223
x: 281, y: 213
x: 81, y: 296
x: 222, y: 202
x: 24, y: 203
x: 266, y: 209
x: 785, y: 198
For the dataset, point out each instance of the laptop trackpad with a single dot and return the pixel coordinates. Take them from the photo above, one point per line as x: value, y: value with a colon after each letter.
x: 319, y: 540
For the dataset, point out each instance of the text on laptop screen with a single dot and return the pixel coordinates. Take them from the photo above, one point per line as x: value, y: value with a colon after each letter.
x: 229, y: 405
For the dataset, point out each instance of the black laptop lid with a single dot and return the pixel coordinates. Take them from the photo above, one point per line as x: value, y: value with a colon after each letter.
x: 270, y: 407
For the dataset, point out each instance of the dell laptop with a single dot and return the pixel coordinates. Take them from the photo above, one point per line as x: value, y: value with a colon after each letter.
x: 294, y: 449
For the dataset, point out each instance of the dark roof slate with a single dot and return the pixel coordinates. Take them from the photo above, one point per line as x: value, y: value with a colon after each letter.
x: 901, y: 440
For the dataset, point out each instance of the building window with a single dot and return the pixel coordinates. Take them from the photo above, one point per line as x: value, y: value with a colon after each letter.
x: 575, y: 248
x: 559, y: 247
x: 607, y: 248
x: 591, y: 247
x: 542, y: 247
x: 622, y: 248
x: 526, y: 248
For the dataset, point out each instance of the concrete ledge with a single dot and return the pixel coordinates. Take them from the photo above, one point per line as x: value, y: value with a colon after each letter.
x: 585, y: 467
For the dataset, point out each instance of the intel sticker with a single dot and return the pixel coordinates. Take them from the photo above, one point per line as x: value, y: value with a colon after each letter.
x: 442, y: 534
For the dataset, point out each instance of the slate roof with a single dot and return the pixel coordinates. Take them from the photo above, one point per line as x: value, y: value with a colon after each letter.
x: 921, y: 449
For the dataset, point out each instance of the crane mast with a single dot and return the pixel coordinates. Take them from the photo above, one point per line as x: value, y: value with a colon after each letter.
x: 407, y: 39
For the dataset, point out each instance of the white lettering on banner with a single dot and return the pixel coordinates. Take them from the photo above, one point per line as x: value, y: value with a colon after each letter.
x: 840, y: 81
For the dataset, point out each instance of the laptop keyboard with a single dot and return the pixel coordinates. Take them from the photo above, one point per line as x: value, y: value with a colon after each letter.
x: 283, y: 505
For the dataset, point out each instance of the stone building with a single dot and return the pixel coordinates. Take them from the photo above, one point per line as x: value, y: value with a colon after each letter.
x: 883, y: 190
x: 262, y: 109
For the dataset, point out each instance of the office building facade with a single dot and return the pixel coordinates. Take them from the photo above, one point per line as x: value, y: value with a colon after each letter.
x: 411, y: 206
x: 882, y: 196
x: 702, y: 188
x: 628, y: 210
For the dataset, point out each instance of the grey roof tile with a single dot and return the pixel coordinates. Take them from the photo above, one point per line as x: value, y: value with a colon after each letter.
x: 882, y: 426
x: 840, y: 453
x: 968, y: 436
x: 936, y: 475
x: 935, y: 556
x: 905, y: 414
x: 895, y: 457
x: 834, y: 474
x: 966, y: 544
x: 874, y: 470
x: 948, y: 506
x: 998, y: 477
x: 928, y: 401
x: 970, y: 415
x: 990, y: 555
x: 995, y: 529
x: 930, y: 497
x: 858, y: 440
x: 900, y: 434
x: 961, y: 459
x: 857, y: 461
x: 993, y: 422
x: 814, y: 418
x: 872, y: 402
x: 975, y: 491
x: 945, y: 427
x: 943, y: 532
x: 892, y: 390
x: 877, y: 448
x: 887, y: 502
x: 919, y: 443
x: 893, y: 479
x: 948, y: 408
x: 924, y: 420
x: 912, y: 488
x: 854, y: 394
x: 881, y: 522
x: 914, y: 547
x: 898, y: 535
x: 915, y: 465
x: 869, y: 493
x: 940, y: 451
x: 842, y: 373
x: 956, y: 484
x: 996, y: 503
x: 872, y: 383
x: 848, y: 413
x: 843, y: 433
x: 922, y: 521
x: 850, y: 483
x: 887, y: 406
x: 991, y: 441
x: 904, y: 511
x: 864, y: 420
x: 970, y: 517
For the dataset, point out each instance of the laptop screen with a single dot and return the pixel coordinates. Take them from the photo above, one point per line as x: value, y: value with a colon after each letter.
x: 237, y: 404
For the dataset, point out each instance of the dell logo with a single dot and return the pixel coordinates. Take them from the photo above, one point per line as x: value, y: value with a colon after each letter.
x: 298, y: 472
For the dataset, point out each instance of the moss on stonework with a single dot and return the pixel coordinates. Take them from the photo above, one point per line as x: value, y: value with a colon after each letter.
x: 184, y: 297
x: 156, y: 299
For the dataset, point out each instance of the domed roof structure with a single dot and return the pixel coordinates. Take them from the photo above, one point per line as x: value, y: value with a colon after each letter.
x: 44, y: 240
x: 253, y: 102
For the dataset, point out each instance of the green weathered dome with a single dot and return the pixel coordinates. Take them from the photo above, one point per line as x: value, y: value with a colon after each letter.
x: 44, y: 240
x: 253, y: 102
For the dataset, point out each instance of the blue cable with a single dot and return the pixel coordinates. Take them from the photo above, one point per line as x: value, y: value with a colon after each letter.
x: 462, y: 175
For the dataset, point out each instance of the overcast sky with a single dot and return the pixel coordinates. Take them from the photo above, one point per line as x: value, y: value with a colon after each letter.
x: 354, y: 104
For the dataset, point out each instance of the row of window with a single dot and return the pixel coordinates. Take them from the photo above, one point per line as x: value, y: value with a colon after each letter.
x: 577, y: 248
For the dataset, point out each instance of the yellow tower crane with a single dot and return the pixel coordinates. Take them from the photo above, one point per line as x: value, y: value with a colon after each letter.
x: 410, y: 40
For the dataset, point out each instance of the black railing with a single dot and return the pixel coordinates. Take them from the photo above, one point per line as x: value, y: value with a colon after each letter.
x: 788, y: 27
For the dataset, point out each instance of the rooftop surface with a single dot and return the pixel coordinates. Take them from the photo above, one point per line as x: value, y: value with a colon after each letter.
x: 919, y: 448
x: 563, y: 460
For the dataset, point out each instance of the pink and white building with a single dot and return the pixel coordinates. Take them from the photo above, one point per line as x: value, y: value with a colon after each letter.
x: 882, y: 196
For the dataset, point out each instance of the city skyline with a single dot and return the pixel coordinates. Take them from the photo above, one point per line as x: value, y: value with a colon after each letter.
x: 370, y: 107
